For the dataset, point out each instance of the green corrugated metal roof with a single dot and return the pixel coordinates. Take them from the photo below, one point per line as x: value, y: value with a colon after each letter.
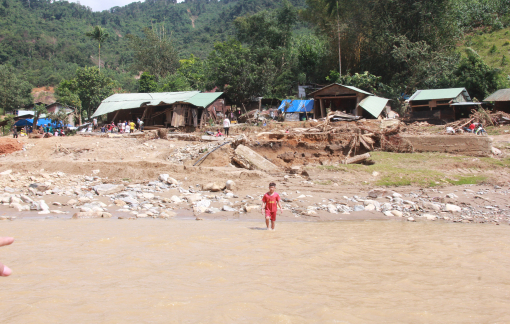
x: 437, y: 94
x: 374, y: 105
x: 204, y: 99
x: 121, y: 101
x: 357, y: 89
x: 345, y: 86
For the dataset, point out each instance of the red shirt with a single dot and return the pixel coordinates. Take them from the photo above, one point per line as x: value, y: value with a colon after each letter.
x: 271, y: 201
x: 472, y: 126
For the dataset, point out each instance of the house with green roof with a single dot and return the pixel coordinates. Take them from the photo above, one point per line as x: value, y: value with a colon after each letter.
x: 348, y: 99
x: 441, y: 104
x: 164, y: 109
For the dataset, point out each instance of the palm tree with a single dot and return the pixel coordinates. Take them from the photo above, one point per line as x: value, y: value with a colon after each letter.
x: 100, y: 35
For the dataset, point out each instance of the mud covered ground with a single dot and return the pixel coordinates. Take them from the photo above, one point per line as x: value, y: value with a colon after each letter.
x: 412, y: 186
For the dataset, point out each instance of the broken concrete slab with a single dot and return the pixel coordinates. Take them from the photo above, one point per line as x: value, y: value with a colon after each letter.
x: 249, y: 159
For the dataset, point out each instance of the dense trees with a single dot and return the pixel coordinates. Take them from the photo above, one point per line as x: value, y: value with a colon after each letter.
x: 89, y: 86
x: 248, y: 48
x: 14, y: 90
x: 154, y: 53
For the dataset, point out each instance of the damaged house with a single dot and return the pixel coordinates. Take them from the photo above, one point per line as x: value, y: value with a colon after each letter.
x: 164, y: 109
x: 348, y: 99
x: 501, y: 99
x: 441, y: 104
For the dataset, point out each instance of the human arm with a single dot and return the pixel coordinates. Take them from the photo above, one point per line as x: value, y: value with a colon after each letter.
x: 280, y: 206
x: 4, y: 270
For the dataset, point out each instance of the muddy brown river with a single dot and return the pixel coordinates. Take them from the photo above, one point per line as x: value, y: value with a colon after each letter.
x: 183, y: 271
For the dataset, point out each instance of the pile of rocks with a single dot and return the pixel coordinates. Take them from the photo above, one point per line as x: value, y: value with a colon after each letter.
x: 189, y: 152
x: 413, y: 206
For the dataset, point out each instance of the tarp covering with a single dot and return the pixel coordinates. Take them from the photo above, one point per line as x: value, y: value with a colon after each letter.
x: 40, y: 122
x: 203, y: 99
x: 121, y: 101
x: 374, y: 105
x: 297, y: 105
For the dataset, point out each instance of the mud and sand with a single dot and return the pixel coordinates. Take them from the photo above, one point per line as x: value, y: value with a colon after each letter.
x: 135, y: 163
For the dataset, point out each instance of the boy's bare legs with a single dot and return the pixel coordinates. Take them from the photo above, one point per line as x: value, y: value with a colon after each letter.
x: 267, y: 223
x: 272, y: 225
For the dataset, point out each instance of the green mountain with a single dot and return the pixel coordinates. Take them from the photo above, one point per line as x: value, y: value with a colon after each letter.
x: 493, y: 47
x: 45, y: 40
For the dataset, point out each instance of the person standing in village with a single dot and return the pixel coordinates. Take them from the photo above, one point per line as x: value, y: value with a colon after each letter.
x: 271, y: 202
x: 238, y: 114
x: 226, y: 125
x: 132, y: 126
x: 14, y: 132
x: 140, y: 124
x: 94, y: 123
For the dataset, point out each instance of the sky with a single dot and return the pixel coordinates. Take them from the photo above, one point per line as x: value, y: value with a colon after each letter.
x: 100, y: 5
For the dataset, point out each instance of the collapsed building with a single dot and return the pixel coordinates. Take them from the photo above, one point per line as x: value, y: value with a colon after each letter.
x: 164, y: 109
x: 347, y: 99
x: 501, y: 99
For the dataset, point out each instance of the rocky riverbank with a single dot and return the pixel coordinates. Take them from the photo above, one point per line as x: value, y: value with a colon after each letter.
x: 59, y: 194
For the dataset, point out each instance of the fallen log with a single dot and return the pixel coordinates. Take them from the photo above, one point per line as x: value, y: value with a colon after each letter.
x: 356, y: 159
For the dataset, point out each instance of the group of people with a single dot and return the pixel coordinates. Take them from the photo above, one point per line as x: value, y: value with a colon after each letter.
x: 43, y: 129
x: 476, y: 128
x: 123, y: 127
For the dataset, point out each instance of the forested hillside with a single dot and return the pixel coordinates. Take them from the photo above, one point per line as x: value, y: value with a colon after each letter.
x: 46, y: 39
x: 251, y: 48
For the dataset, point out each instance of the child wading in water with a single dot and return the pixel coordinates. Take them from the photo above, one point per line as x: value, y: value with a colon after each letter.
x: 271, y: 202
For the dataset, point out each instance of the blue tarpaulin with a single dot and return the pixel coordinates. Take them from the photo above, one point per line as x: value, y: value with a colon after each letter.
x: 297, y: 106
x: 40, y: 122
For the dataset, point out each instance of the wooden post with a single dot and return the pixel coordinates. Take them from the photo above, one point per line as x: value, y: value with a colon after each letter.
x: 323, y: 113
x: 113, y: 120
x: 357, y: 110
x: 315, y: 109
x: 144, y: 112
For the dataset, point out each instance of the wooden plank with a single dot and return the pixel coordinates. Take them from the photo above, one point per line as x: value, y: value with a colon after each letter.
x: 323, y: 112
x: 113, y: 120
x: 336, y: 97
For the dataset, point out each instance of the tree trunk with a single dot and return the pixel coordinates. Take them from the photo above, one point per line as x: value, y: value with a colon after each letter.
x: 357, y: 159
x: 99, y: 57
x: 34, y: 125
x: 339, y: 49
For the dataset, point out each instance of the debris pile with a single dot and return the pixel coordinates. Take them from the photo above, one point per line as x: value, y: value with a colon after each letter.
x: 189, y: 152
x: 485, y: 117
x: 9, y: 145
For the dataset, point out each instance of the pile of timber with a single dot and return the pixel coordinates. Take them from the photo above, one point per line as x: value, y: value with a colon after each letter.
x: 485, y: 117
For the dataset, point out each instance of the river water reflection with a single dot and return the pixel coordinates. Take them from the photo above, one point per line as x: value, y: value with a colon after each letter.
x: 180, y: 271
